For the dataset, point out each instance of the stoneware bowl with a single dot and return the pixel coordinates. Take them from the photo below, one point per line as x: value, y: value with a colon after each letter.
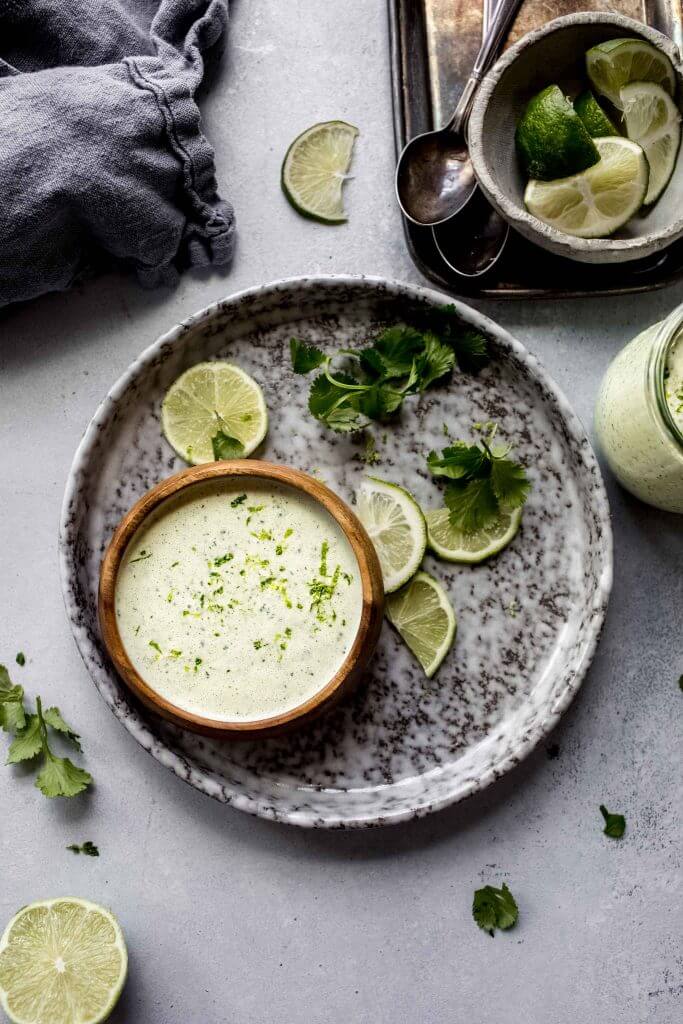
x: 350, y: 672
x: 555, y: 54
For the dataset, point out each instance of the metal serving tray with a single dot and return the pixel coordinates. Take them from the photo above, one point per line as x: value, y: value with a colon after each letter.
x: 433, y: 46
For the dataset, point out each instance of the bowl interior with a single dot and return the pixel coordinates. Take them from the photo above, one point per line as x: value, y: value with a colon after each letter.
x: 558, y: 58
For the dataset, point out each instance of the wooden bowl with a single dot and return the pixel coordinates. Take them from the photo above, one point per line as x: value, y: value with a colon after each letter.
x: 555, y: 54
x: 351, y: 670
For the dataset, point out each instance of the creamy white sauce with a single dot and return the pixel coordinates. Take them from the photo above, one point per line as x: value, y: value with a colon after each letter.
x: 644, y: 456
x: 238, y: 602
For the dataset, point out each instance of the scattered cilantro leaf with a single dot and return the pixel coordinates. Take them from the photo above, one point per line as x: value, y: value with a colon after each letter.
x: 239, y: 500
x: 60, y: 777
x: 305, y: 357
x: 53, y: 718
x: 379, y: 401
x: 494, y: 908
x: 27, y: 742
x: 370, y: 456
x: 469, y: 345
x: 226, y: 447
x: 12, y: 713
x: 20, y: 658
x: 88, y: 848
x: 397, y: 347
x: 482, y: 482
x: 680, y: 682
x: 436, y: 361
x: 615, y: 824
x: 334, y: 404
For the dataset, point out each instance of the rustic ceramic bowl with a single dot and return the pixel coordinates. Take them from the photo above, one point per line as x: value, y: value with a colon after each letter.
x: 555, y: 54
x: 350, y: 672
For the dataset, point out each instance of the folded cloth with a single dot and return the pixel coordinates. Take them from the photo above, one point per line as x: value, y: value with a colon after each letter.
x: 102, y: 157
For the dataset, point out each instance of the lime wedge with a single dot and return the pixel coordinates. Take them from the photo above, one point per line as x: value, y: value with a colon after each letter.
x: 206, y: 399
x: 551, y: 139
x: 595, y: 120
x: 455, y: 546
x: 615, y: 63
x: 653, y: 120
x: 396, y: 527
x: 423, y: 615
x: 598, y: 201
x: 315, y: 168
x: 62, y: 961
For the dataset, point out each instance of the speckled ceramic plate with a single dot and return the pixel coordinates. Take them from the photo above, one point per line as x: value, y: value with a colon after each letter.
x: 529, y: 619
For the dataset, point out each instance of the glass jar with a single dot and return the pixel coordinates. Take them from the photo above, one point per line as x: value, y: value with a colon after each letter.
x: 639, y: 420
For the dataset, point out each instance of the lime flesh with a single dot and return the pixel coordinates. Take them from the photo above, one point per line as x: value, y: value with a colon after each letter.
x: 551, y: 138
x: 597, y: 202
x: 62, y: 961
x: 653, y: 120
x: 455, y: 546
x: 423, y: 615
x: 396, y: 526
x: 315, y: 168
x: 615, y: 63
x: 210, y: 398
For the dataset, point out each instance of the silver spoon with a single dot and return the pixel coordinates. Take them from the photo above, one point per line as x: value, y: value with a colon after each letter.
x: 434, y: 176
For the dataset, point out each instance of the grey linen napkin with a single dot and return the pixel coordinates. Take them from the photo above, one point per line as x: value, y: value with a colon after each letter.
x: 102, y: 157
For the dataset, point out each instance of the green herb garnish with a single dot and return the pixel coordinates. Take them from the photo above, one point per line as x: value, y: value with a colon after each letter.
x: 494, y: 908
x: 482, y: 482
x: 141, y: 557
x: 58, y: 775
x: 238, y: 500
x: 155, y: 645
x: 401, y: 361
x: 88, y: 848
x: 226, y: 447
x: 20, y: 658
x: 615, y: 824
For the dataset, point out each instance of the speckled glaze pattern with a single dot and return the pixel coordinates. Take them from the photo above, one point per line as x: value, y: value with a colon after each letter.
x: 529, y: 619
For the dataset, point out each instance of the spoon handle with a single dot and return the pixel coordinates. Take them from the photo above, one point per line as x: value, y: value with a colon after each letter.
x: 491, y: 45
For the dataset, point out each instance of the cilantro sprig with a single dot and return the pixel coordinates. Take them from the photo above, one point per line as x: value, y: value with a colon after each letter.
x: 615, y: 824
x: 482, y: 481
x: 494, y: 908
x: 376, y: 379
x: 88, y: 848
x: 58, y: 776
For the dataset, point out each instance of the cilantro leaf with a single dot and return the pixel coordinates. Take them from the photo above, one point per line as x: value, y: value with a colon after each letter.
x: 379, y: 401
x: 458, y: 460
x: 680, y: 682
x: 53, y: 718
x: 334, y: 404
x: 397, y: 347
x: 88, y: 848
x: 509, y: 481
x: 372, y: 362
x: 226, y: 447
x: 305, y: 357
x: 20, y: 658
x: 435, y: 361
x: 60, y: 777
x: 12, y: 713
x: 471, y: 350
x: 494, y: 908
x: 615, y: 824
x: 27, y: 743
x: 472, y: 504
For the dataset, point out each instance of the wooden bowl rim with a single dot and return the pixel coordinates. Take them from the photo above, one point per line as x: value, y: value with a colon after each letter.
x: 372, y: 592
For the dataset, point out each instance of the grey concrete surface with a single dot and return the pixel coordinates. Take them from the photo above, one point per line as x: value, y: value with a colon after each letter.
x: 231, y: 920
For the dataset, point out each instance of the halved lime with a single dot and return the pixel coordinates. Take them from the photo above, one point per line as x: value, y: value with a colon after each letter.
x: 396, y: 527
x: 62, y: 961
x: 595, y: 120
x: 551, y: 139
x: 209, y: 398
x: 424, y: 616
x: 598, y: 201
x: 653, y: 120
x: 613, y: 64
x: 315, y: 168
x: 455, y: 546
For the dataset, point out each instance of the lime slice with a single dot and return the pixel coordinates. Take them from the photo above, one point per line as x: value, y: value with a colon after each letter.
x: 598, y: 201
x: 206, y: 399
x: 595, y: 120
x: 551, y: 139
x: 423, y: 615
x: 62, y: 961
x: 653, y: 120
x: 396, y: 527
x: 455, y: 546
x: 615, y: 63
x: 315, y: 168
